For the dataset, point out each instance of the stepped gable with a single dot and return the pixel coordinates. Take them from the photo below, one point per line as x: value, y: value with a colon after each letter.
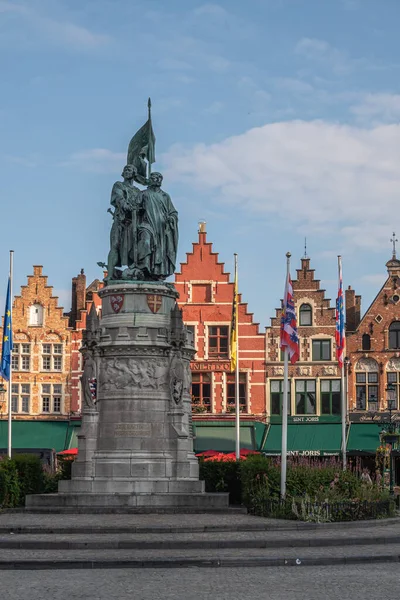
x: 205, y: 297
x: 306, y: 291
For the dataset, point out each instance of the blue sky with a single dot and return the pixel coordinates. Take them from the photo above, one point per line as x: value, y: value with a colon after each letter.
x: 275, y: 120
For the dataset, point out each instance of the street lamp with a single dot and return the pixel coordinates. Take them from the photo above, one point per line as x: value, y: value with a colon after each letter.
x: 2, y: 392
x: 389, y: 431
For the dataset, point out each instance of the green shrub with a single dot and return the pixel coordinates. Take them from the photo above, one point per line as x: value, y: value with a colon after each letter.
x: 9, y: 484
x: 30, y: 475
x: 222, y: 476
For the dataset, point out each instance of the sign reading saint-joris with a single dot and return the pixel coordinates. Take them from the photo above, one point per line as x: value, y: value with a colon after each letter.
x: 117, y: 302
x: 154, y: 302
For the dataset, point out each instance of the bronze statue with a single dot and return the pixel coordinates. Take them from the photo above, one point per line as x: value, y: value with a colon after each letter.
x: 144, y: 233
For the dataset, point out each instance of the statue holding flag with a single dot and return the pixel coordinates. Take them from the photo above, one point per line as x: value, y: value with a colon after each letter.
x: 144, y: 234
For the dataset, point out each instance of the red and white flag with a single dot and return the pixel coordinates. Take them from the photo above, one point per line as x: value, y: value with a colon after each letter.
x: 289, y: 337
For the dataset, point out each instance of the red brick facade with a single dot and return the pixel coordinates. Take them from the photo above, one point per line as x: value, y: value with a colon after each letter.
x: 373, y: 345
x: 205, y: 296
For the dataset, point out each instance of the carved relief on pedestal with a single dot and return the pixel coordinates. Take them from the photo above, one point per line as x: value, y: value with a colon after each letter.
x: 129, y: 373
x: 177, y: 377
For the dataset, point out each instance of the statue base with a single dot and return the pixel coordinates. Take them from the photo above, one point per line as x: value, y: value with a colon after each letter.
x: 136, y: 448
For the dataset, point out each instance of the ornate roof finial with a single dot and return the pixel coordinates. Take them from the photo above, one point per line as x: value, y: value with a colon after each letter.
x: 305, y: 248
x: 394, y: 240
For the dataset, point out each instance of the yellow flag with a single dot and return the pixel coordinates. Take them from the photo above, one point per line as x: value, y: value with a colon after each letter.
x: 234, y: 324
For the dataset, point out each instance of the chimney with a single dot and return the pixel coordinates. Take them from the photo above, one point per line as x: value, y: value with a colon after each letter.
x: 353, y: 309
x: 78, y: 301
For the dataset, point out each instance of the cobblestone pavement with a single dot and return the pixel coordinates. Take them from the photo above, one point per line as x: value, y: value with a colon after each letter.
x: 375, y: 582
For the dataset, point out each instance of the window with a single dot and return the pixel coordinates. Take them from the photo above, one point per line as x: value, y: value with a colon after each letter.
x: 191, y: 330
x: 218, y: 346
x: 366, y: 342
x: 305, y: 314
x: 51, y: 397
x: 52, y: 357
x: 321, y: 349
x: 201, y: 392
x: 230, y: 392
x: 277, y: 397
x: 21, y: 357
x: 394, y: 335
x: 36, y: 315
x: 305, y: 397
x: 366, y: 390
x: 393, y: 380
x: 201, y: 293
x: 330, y: 397
x: 20, y: 397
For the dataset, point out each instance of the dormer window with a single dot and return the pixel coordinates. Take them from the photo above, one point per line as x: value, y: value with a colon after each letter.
x: 36, y: 315
x: 305, y: 314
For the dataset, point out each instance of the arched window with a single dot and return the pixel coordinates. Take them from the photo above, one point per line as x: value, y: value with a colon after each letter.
x: 36, y: 315
x: 394, y: 335
x: 305, y: 314
x: 366, y: 342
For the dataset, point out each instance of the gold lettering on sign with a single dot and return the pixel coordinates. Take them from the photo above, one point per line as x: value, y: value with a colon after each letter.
x: 210, y: 366
x: 132, y: 429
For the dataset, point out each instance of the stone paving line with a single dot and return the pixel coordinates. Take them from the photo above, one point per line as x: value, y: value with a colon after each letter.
x: 313, y: 537
x: 172, y: 522
x: 60, y: 556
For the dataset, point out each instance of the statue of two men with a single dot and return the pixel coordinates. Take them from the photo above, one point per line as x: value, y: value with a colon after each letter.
x: 144, y: 234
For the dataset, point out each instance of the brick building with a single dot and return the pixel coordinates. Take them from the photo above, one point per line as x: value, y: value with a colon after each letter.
x: 314, y: 381
x: 82, y: 299
x: 205, y: 297
x: 46, y: 365
x: 373, y: 346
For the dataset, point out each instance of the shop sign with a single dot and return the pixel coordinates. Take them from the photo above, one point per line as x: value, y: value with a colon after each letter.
x: 309, y: 453
x: 373, y: 417
x: 210, y: 366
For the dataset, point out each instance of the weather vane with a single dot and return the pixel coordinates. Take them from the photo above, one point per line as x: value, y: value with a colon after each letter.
x: 394, y: 240
x: 305, y: 248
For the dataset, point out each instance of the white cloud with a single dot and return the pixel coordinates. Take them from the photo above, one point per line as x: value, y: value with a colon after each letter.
x: 322, y: 52
x: 333, y: 180
x: 60, y: 32
x: 383, y: 108
x: 96, y: 160
x: 210, y: 10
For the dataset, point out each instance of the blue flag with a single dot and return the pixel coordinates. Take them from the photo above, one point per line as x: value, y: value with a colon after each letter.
x: 7, y: 345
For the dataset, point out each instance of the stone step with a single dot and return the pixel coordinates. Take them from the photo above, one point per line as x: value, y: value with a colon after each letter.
x: 223, y: 541
x: 107, y: 559
x: 231, y: 520
x: 144, y: 502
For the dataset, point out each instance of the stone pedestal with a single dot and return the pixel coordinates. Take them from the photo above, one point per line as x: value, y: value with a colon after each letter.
x: 137, y: 450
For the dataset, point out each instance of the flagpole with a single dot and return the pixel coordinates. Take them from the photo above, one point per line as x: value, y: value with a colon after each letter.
x: 237, y: 398
x: 342, y: 382
x: 285, y: 397
x: 10, y: 379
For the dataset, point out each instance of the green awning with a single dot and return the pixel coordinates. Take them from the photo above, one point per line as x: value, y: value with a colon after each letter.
x: 314, y: 439
x: 50, y: 435
x: 221, y: 437
x: 364, y: 437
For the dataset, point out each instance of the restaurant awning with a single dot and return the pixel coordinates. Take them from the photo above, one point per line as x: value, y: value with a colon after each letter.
x: 311, y: 439
x: 363, y: 438
x: 221, y: 436
x: 40, y: 435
